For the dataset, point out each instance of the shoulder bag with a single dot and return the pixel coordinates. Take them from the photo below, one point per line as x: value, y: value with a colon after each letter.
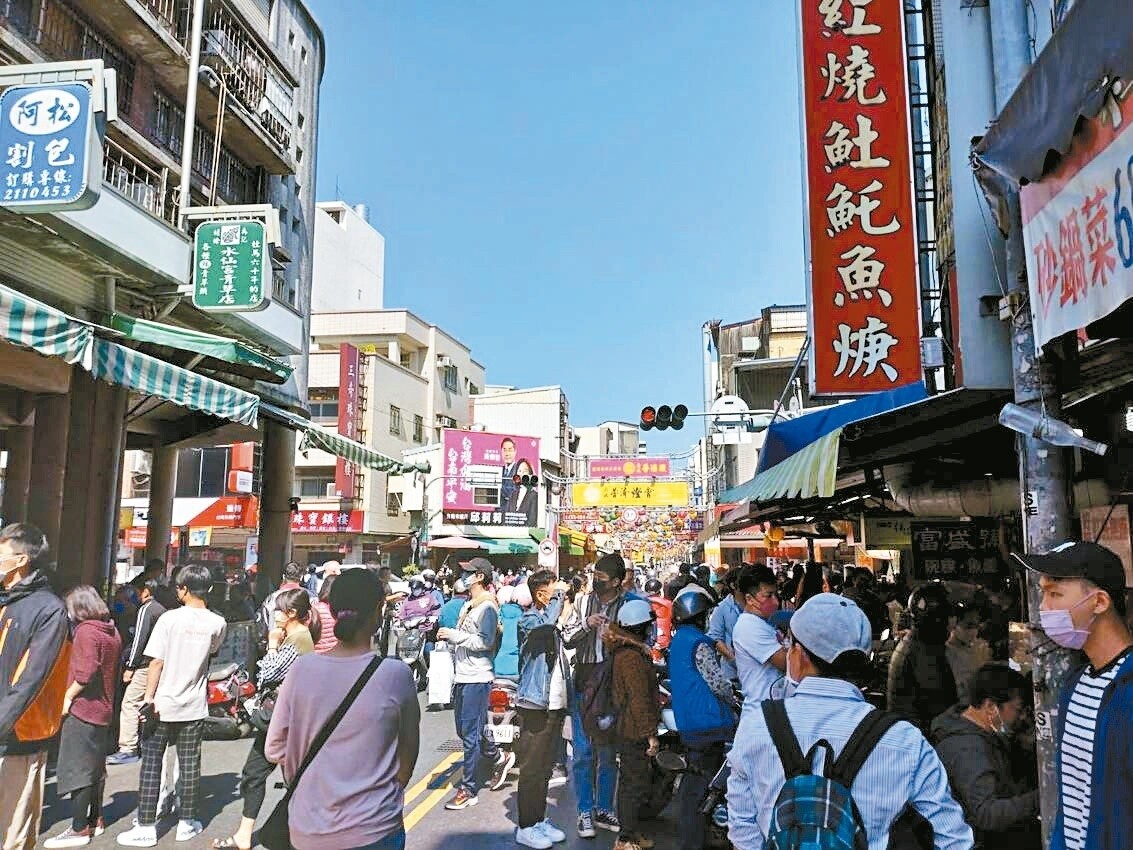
x: 275, y: 834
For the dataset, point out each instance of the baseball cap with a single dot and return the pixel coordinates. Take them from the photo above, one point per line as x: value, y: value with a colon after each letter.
x: 479, y: 565
x: 828, y: 625
x: 1081, y: 559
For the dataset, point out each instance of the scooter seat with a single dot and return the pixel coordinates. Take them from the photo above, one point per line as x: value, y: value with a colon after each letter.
x: 221, y: 673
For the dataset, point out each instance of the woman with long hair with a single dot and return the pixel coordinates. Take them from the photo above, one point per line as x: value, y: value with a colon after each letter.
x: 88, y: 707
x: 289, y: 639
x: 326, y: 640
x: 353, y: 796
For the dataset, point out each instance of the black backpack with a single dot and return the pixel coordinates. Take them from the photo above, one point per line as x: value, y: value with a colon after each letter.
x: 596, y: 703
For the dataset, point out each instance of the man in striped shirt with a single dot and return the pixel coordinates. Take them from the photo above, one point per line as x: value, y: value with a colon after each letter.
x: 1083, y: 607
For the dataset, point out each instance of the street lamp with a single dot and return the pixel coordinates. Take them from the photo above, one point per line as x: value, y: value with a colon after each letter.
x: 1040, y: 426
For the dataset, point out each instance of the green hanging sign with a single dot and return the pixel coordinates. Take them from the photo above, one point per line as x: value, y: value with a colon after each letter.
x: 230, y: 266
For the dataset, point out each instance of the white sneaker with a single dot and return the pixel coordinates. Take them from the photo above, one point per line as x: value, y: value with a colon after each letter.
x: 533, y: 836
x: 551, y: 831
x: 69, y: 838
x: 139, y: 836
x: 187, y: 830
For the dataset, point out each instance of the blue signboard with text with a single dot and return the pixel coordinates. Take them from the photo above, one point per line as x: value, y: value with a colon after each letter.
x: 48, y: 146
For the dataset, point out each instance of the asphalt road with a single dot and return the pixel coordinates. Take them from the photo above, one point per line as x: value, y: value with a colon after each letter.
x: 487, y: 826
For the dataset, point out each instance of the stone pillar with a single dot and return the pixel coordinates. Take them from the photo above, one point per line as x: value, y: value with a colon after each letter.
x: 48, y: 464
x: 18, y: 441
x: 277, y: 480
x: 162, y: 485
x: 91, y: 496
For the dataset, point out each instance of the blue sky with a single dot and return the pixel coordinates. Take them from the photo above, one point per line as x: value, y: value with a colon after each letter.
x: 572, y: 189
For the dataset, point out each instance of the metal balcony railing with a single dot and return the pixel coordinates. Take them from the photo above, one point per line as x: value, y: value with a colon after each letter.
x: 172, y: 14
x: 146, y: 187
x: 253, y: 76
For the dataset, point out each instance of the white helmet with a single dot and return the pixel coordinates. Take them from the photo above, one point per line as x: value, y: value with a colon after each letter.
x: 635, y: 612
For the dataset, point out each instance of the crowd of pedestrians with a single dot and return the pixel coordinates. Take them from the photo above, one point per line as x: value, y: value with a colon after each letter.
x: 777, y: 676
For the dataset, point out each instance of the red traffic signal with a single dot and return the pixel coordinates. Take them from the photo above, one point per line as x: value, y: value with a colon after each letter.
x: 525, y: 480
x: 663, y: 417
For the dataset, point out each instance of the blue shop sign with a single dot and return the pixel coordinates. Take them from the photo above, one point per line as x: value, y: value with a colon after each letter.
x: 48, y: 145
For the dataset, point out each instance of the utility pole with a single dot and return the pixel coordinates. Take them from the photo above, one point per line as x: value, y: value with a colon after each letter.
x: 1044, y: 479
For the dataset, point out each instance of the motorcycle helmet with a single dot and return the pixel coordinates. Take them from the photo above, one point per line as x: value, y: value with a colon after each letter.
x: 429, y: 577
x: 416, y: 585
x: 653, y: 586
x: 635, y: 613
x: 522, y: 595
x: 929, y: 605
x: 505, y: 594
x: 692, y: 602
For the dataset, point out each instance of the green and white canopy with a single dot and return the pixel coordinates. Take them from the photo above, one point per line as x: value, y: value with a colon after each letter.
x: 32, y: 324
x: 315, y: 437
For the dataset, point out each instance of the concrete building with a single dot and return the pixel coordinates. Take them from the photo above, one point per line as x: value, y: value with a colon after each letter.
x: 98, y: 275
x: 607, y: 439
x: 350, y: 257
x: 414, y: 381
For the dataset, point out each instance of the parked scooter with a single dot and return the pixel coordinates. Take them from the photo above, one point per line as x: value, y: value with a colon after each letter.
x: 417, y: 633
x: 503, y: 718
x: 231, y: 695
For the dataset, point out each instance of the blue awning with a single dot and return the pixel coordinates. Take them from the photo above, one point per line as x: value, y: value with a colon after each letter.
x: 785, y: 437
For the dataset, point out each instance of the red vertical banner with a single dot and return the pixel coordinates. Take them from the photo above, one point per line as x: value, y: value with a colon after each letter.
x: 348, y: 362
x: 864, y: 294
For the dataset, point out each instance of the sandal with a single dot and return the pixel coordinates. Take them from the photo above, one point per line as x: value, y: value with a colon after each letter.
x: 228, y: 843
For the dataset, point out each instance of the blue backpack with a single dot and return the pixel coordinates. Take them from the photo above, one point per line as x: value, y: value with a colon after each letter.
x: 816, y: 811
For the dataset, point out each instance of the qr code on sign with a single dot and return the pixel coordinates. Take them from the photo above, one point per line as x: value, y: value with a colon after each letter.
x: 230, y: 234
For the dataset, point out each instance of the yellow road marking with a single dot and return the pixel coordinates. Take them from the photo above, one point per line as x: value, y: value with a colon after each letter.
x: 441, y: 768
x: 426, y: 805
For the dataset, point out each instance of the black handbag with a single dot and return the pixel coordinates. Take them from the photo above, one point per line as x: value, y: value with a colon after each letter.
x: 275, y: 834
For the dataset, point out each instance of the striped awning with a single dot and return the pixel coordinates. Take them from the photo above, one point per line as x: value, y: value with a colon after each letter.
x: 142, y: 373
x: 809, y: 473
x: 32, y: 324
x: 29, y: 323
x: 315, y: 437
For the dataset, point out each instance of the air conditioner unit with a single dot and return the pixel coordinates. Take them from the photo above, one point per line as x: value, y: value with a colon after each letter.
x: 332, y: 491
x: 444, y: 361
x: 446, y: 422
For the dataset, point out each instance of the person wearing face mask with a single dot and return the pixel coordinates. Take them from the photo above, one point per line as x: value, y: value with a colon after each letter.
x: 899, y: 776
x: 760, y: 658
x: 967, y: 652
x: 974, y: 742
x: 474, y: 641
x: 1083, y: 607
x: 33, y: 678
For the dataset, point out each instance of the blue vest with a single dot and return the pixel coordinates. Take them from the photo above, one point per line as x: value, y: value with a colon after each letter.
x: 702, y: 717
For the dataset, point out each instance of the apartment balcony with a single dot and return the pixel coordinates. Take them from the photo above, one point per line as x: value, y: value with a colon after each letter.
x: 259, y: 118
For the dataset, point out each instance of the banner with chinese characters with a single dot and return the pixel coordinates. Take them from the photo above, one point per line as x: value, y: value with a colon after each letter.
x: 326, y: 522
x: 634, y: 467
x: 864, y: 295
x: 634, y: 494
x: 491, y: 479
x: 958, y: 551
x: 1078, y: 230
x: 348, y: 363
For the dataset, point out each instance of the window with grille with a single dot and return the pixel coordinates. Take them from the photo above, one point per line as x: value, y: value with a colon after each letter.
x: 324, y: 403
x: 452, y: 379
x: 418, y: 429
x: 395, y: 420
x: 312, y: 483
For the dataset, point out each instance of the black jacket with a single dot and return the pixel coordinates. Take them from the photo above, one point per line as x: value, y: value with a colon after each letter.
x: 921, y: 685
x: 143, y: 628
x: 33, y: 636
x: 1002, y: 811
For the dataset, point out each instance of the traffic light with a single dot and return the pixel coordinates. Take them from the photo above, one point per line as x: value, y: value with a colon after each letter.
x: 663, y: 417
x: 525, y: 480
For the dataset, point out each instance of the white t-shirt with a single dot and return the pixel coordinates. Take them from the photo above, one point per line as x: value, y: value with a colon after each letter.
x: 754, y: 641
x: 183, y: 639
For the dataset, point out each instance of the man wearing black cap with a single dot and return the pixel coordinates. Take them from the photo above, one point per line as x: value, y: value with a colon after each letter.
x: 1083, y: 607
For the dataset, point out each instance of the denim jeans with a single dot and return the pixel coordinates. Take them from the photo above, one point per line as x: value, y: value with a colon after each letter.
x: 393, y: 841
x: 470, y: 709
x: 582, y: 768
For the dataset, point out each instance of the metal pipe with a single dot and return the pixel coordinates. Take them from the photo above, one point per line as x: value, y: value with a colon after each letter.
x: 185, y: 195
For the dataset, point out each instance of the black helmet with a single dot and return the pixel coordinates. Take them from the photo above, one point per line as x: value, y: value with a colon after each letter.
x: 691, y: 603
x: 929, y: 604
x: 653, y: 586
